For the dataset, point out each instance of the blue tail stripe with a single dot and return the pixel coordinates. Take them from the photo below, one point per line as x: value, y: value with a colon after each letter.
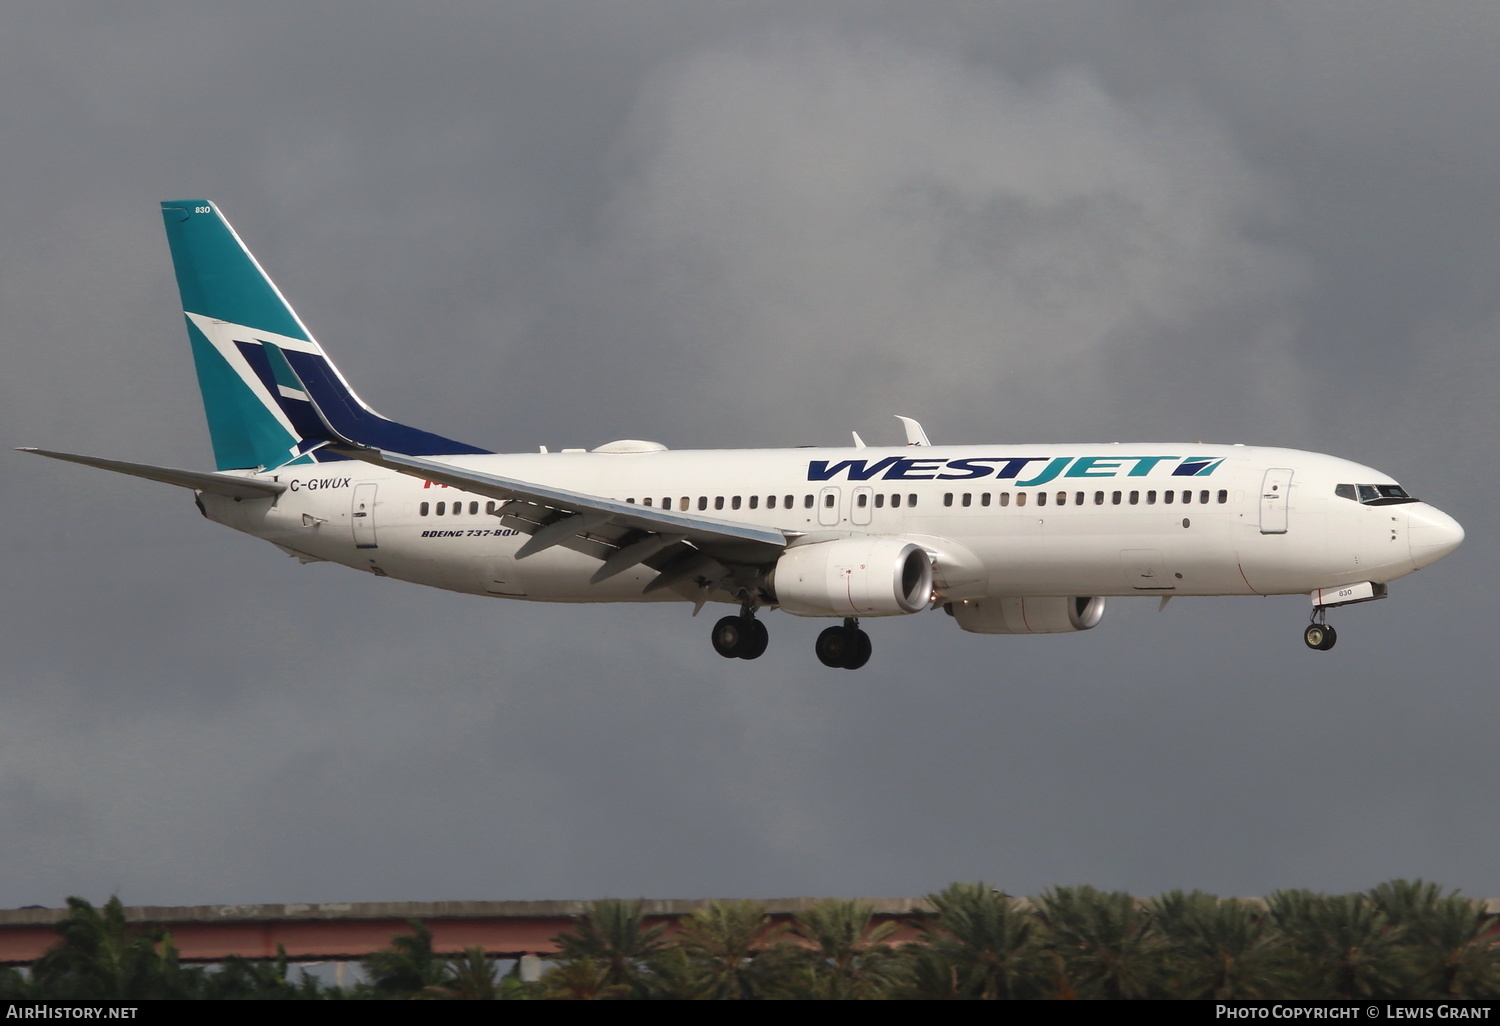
x: 363, y: 426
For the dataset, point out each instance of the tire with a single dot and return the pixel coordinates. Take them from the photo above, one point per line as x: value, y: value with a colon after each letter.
x: 832, y: 647
x: 859, y: 649
x: 729, y: 637
x: 1316, y: 637
x: 756, y: 640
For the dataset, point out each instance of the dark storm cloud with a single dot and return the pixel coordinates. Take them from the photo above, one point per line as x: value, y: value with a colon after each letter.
x: 727, y: 225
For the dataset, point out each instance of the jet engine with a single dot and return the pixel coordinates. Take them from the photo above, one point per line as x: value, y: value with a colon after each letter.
x: 853, y: 577
x: 1049, y: 614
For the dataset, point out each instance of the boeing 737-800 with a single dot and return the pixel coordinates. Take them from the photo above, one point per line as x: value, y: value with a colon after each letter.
x: 1007, y: 539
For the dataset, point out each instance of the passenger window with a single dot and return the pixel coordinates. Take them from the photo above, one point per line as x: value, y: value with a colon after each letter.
x: 948, y: 499
x: 880, y: 500
x: 1115, y: 499
x: 1062, y: 498
x: 1187, y: 496
x: 1020, y: 498
x: 474, y: 508
x: 807, y: 502
x: 862, y: 500
x: 703, y: 502
x: 968, y: 499
x: 984, y: 499
x: 755, y: 502
x: 684, y: 504
x: 1005, y: 498
x: 1078, y: 499
x: 1223, y: 495
x: 828, y: 501
x: 647, y: 500
x: 1167, y: 497
x: 718, y: 502
x: 423, y: 509
x: 895, y: 500
x: 1203, y: 496
x: 1041, y: 498
x: 1151, y: 497
x: 1098, y: 498
x: 442, y: 508
x: 770, y: 502
x: 911, y: 500
x: 1135, y: 498
x: 787, y: 501
x: 734, y: 503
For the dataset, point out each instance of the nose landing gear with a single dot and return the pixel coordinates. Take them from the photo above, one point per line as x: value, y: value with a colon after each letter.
x: 845, y: 647
x: 1319, y: 636
x: 741, y: 637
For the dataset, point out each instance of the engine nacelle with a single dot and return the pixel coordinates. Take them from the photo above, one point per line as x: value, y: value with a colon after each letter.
x: 1046, y: 615
x: 853, y: 577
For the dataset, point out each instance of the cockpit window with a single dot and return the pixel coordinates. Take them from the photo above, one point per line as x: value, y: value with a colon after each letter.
x: 1374, y: 494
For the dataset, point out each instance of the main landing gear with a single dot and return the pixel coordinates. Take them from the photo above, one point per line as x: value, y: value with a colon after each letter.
x: 846, y: 646
x: 1319, y: 635
x: 741, y: 637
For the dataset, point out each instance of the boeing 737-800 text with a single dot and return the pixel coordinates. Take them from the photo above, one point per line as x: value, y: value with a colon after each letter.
x: 1007, y: 539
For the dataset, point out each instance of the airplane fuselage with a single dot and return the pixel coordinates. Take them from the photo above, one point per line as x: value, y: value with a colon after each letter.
x: 1032, y: 520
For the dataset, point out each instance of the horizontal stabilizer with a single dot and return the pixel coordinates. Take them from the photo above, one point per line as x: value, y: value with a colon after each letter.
x: 218, y: 484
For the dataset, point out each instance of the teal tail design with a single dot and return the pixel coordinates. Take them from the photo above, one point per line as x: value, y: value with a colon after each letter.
x: 257, y: 361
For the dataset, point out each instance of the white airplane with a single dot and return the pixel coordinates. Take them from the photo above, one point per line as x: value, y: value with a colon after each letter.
x: 1007, y: 539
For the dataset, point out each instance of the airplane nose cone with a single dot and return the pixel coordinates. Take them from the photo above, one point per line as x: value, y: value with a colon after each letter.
x: 1433, y: 534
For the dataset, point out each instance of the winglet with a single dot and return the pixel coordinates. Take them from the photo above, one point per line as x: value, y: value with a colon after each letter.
x: 914, y: 433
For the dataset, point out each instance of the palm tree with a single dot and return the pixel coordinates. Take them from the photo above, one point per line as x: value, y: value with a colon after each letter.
x: 1103, y: 944
x: 1224, y: 950
x: 580, y: 979
x: 989, y: 946
x: 100, y: 956
x: 613, y: 933
x: 848, y: 959
x: 1454, y: 953
x: 736, y: 948
x: 409, y: 968
x: 1351, y: 947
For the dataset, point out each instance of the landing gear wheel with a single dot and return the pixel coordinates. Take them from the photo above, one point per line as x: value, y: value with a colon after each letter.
x: 1320, y: 636
x: 859, y: 653
x: 832, y: 647
x: 1330, y: 636
x: 756, y: 640
x: 846, y: 648
x: 730, y: 637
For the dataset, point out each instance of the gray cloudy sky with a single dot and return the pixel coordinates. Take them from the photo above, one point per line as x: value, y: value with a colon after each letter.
x: 744, y: 224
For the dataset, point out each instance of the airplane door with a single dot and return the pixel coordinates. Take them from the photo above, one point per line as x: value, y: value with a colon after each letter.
x: 863, y: 506
x: 828, y: 507
x: 362, y: 516
x: 1274, y: 490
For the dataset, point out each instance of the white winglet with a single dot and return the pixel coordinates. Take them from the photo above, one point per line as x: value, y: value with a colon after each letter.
x: 914, y: 433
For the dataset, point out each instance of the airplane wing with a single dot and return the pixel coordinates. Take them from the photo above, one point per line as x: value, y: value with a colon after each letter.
x: 219, y: 484
x: 680, y: 546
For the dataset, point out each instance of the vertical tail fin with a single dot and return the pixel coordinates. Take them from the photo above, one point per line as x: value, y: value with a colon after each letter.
x: 259, y: 369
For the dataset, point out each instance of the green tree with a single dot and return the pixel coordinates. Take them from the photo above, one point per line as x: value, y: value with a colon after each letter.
x: 409, y: 968
x: 100, y: 956
x: 848, y: 957
x: 987, y: 945
x: 1102, y: 943
x: 1224, y: 950
x: 1350, y: 946
x: 737, y: 950
x: 613, y: 934
x: 1452, y: 950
